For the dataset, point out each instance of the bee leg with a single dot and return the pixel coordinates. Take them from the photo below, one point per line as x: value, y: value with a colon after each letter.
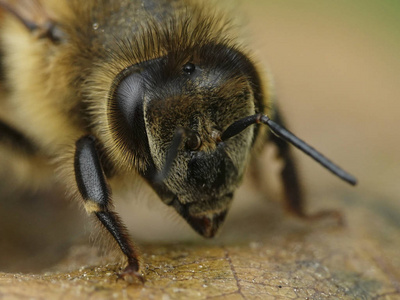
x: 293, y: 191
x: 96, y: 194
x: 13, y: 138
x: 34, y: 16
x: 22, y: 165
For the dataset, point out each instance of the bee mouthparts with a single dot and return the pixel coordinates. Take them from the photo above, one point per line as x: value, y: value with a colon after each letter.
x: 207, y: 225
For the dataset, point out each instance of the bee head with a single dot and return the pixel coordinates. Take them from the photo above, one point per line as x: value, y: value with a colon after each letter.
x: 177, y: 106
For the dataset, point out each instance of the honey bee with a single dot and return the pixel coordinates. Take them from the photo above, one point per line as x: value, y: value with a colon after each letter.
x: 96, y: 90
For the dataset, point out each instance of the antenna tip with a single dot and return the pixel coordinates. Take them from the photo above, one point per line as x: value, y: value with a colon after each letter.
x: 353, y: 181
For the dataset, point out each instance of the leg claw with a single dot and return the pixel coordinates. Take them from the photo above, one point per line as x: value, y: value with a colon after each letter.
x: 130, y: 274
x: 327, y: 214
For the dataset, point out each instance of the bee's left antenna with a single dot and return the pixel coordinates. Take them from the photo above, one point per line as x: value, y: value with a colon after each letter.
x: 286, y: 135
x: 179, y: 136
x: 172, y: 153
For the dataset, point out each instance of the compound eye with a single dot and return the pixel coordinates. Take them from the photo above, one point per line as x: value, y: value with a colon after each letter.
x: 128, y: 99
x: 189, y: 68
x: 193, y: 141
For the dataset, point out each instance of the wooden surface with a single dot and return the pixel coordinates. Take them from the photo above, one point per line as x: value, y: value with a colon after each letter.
x: 260, y: 255
x: 337, y: 71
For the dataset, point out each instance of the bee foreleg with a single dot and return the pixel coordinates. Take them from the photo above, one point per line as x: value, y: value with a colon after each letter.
x: 96, y: 194
x: 292, y: 188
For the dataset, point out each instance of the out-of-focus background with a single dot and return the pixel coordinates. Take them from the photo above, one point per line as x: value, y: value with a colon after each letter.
x: 337, y: 73
x: 336, y: 67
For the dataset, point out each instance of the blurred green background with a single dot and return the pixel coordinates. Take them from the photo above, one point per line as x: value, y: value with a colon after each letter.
x: 337, y: 72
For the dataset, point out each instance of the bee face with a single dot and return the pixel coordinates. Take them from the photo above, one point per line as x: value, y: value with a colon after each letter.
x: 202, y: 91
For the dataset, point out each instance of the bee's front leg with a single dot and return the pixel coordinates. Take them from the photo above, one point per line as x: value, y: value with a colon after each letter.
x: 96, y: 194
x: 292, y: 188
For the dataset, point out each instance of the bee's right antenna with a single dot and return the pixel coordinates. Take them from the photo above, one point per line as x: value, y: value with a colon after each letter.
x: 286, y: 135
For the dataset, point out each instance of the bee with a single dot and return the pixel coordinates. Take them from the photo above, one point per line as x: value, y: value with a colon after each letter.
x: 97, y: 90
